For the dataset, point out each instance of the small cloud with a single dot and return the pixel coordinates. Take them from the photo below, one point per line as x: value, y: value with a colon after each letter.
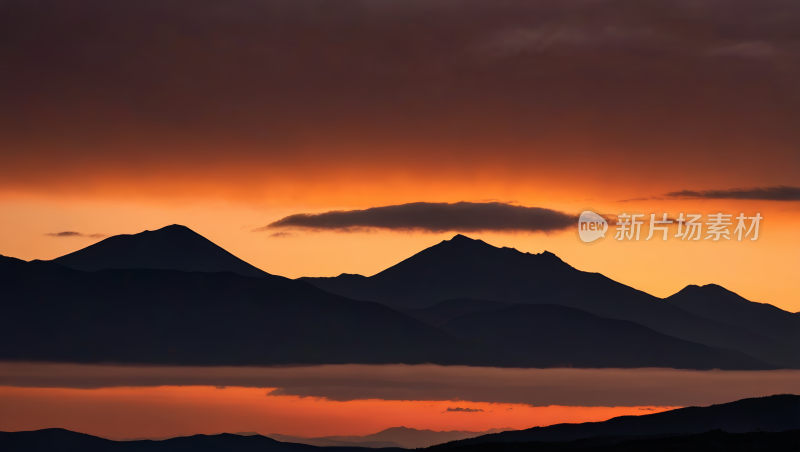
x: 776, y: 193
x: 462, y: 410
x: 281, y: 235
x: 76, y: 234
x: 646, y: 409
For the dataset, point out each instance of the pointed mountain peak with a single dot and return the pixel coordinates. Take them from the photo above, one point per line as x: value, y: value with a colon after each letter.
x: 462, y: 238
x: 464, y: 241
x: 173, y: 247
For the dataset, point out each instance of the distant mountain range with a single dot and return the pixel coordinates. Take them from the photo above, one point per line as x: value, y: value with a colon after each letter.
x: 408, y: 438
x: 516, y: 310
x: 173, y: 317
x: 776, y: 418
x: 466, y: 268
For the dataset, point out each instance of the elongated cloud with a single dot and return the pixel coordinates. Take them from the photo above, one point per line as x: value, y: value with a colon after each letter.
x: 463, y: 410
x: 777, y: 193
x: 434, y: 217
x: 76, y: 234
x: 536, y: 387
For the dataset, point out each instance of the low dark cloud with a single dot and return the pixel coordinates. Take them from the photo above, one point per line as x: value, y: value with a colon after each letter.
x: 460, y: 384
x: 76, y: 234
x: 777, y: 193
x: 433, y: 217
x: 462, y: 410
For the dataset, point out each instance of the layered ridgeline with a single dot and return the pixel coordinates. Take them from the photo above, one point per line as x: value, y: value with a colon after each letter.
x: 172, y: 317
x: 184, y: 316
x: 465, y: 268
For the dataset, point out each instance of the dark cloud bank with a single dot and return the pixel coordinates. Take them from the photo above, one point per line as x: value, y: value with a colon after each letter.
x: 537, y: 387
x: 434, y: 217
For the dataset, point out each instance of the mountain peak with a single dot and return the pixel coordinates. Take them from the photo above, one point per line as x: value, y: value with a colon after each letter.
x: 462, y: 238
x: 173, y: 247
x: 708, y: 289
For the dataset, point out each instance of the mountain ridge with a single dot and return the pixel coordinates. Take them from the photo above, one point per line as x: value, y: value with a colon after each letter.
x: 173, y: 247
x: 473, y: 269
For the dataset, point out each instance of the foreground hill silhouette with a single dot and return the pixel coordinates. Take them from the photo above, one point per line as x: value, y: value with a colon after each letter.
x: 776, y: 413
x: 61, y: 440
x: 173, y: 247
x: 173, y: 317
x: 711, y: 441
x: 467, y: 268
x: 776, y: 419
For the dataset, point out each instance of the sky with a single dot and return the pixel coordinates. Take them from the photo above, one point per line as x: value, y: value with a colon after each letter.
x: 229, y: 117
x: 320, y: 137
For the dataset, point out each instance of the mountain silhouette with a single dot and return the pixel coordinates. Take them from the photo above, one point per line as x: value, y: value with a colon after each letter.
x: 172, y: 247
x: 411, y: 438
x: 175, y: 317
x: 61, y: 440
x: 467, y: 268
x: 717, y: 303
x: 546, y: 335
x: 439, y: 314
x: 333, y: 441
x: 776, y: 413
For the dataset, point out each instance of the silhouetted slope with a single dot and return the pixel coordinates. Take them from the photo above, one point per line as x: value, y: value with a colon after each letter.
x: 53, y: 313
x: 711, y: 441
x: 466, y: 268
x: 54, y: 439
x: 444, y: 311
x: 169, y: 248
x: 546, y: 335
x: 717, y: 303
x: 773, y: 414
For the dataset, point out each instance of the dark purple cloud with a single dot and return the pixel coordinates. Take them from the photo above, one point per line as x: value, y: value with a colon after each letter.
x: 462, y: 410
x: 776, y: 193
x: 434, y: 217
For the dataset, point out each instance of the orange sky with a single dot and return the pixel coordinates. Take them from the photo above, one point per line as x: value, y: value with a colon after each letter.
x: 211, y: 119
x: 762, y: 271
x: 175, y: 410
